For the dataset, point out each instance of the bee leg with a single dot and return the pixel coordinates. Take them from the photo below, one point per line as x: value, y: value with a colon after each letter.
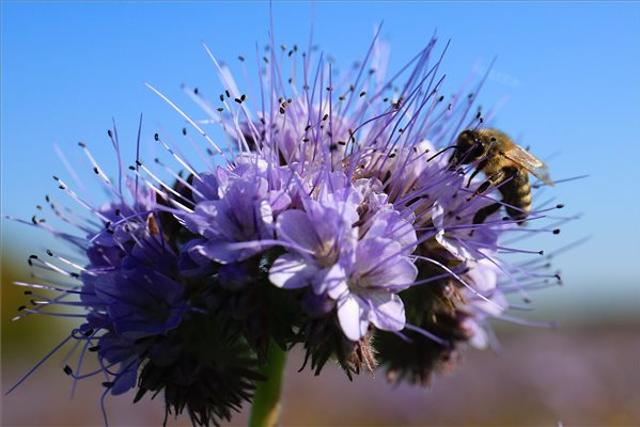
x: 494, y: 180
x: 483, y: 214
x: 479, y: 169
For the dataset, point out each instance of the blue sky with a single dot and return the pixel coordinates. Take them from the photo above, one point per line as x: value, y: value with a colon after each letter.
x: 570, y: 72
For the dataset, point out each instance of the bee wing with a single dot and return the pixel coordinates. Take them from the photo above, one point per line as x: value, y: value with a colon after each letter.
x: 530, y: 162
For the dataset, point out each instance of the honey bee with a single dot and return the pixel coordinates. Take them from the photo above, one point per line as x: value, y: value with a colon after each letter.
x: 507, y: 167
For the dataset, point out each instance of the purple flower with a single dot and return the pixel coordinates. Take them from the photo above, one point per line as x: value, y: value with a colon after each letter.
x: 239, y: 212
x: 378, y: 270
x: 142, y: 301
x: 241, y: 215
x: 361, y: 273
x: 484, y: 275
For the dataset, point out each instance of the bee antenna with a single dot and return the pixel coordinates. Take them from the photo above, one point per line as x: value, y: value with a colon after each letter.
x: 441, y: 152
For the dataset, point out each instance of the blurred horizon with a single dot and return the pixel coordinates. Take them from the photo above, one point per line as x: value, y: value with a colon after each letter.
x: 566, y: 82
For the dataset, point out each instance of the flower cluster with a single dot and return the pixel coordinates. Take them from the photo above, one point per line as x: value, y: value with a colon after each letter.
x: 333, y: 218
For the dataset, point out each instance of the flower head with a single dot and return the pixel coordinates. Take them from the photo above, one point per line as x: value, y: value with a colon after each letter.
x: 334, y: 218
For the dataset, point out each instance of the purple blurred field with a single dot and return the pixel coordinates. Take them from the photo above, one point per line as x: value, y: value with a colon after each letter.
x: 577, y: 375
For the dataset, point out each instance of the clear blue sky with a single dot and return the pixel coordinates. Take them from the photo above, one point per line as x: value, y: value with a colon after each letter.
x: 571, y: 72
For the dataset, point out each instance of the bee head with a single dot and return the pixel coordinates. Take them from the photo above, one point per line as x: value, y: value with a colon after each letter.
x: 470, y: 146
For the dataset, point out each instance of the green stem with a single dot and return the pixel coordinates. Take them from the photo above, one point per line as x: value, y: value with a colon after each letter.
x: 266, y: 408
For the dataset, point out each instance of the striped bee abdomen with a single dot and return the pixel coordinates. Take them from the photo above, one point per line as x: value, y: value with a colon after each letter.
x: 516, y: 193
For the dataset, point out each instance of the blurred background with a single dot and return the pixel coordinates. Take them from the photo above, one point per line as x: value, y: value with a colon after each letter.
x: 567, y: 78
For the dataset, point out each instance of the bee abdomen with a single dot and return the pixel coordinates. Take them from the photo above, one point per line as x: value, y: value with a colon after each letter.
x: 517, y: 194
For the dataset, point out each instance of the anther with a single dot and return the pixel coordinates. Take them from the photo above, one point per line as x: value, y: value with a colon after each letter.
x: 67, y: 370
